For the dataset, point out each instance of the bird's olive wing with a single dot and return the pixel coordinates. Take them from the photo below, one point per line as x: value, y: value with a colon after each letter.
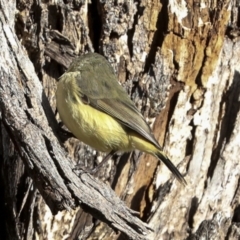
x: 127, y: 114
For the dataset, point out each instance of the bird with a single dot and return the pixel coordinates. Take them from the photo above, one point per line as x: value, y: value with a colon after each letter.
x: 99, y: 112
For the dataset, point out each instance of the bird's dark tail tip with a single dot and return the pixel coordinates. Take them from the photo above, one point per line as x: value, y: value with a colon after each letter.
x: 171, y: 167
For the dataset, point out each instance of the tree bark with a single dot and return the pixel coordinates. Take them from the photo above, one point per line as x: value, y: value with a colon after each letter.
x: 179, y: 62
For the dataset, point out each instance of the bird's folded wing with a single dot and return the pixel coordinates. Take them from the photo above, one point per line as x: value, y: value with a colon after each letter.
x: 127, y: 114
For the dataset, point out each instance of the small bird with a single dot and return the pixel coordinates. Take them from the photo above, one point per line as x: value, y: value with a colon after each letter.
x: 98, y: 111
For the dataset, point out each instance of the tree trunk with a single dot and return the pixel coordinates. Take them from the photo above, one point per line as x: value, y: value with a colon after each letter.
x: 179, y: 62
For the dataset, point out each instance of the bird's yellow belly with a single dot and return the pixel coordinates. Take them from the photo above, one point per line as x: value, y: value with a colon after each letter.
x: 91, y: 126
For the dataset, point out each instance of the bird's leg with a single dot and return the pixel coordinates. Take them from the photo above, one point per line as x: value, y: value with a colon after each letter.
x: 105, y: 159
x: 95, y: 169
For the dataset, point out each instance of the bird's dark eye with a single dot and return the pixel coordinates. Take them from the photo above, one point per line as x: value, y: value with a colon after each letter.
x: 85, y: 99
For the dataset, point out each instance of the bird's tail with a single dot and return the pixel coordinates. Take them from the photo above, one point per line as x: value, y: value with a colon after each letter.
x: 161, y: 156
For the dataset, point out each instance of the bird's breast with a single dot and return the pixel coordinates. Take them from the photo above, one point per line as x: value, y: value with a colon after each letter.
x: 91, y: 126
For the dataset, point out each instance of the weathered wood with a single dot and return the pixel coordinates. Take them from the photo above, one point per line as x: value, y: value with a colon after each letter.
x: 179, y: 61
x: 32, y: 133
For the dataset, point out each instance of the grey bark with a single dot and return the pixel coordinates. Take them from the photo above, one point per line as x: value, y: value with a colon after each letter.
x: 179, y: 61
x: 27, y: 118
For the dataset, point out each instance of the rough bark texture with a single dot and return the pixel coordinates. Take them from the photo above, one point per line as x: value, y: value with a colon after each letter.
x: 179, y: 62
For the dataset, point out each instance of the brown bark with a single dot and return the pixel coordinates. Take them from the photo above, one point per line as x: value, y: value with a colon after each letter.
x: 180, y: 63
x: 29, y: 121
